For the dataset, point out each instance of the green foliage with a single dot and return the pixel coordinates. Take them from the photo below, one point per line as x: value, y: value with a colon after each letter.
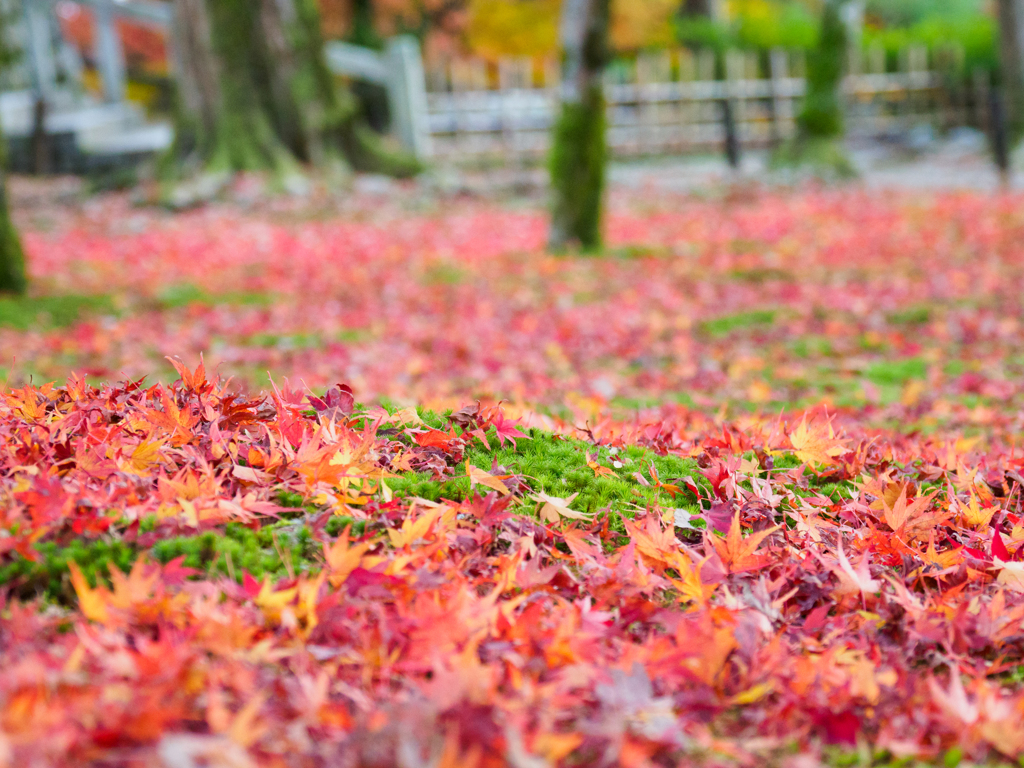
x: 779, y: 25
x: 24, y: 312
x: 790, y: 26
x: 906, y: 13
x: 977, y: 34
x: 577, y: 165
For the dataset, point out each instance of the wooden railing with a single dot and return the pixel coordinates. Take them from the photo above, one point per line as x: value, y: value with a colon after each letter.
x: 672, y: 101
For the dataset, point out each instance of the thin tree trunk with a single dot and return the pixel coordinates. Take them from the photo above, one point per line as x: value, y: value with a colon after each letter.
x: 693, y: 8
x: 255, y: 93
x: 822, y: 115
x: 579, y: 151
x: 1011, y: 29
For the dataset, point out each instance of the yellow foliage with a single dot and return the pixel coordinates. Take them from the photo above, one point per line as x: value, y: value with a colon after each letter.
x: 643, y: 24
x: 500, y: 28
x: 513, y: 27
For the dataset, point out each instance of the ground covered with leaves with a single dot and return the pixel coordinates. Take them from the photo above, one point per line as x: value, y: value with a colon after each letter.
x: 752, y: 497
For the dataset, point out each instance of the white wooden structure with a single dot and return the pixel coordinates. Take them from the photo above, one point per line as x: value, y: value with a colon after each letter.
x: 671, y: 102
x: 113, y: 127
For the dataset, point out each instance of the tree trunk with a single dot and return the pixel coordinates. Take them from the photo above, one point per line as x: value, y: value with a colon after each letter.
x: 255, y: 93
x: 12, y: 259
x: 693, y: 8
x: 579, y: 151
x: 1011, y: 34
x: 822, y: 115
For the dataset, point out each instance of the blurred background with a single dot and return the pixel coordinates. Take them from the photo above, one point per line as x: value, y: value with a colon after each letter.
x: 688, y: 78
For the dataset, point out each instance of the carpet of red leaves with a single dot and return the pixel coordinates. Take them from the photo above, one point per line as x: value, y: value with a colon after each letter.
x: 859, y: 588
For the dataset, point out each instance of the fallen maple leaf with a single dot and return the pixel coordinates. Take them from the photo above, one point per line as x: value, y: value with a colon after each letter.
x: 598, y: 469
x: 478, y: 476
x: 816, y: 443
x: 553, y: 508
x: 738, y: 553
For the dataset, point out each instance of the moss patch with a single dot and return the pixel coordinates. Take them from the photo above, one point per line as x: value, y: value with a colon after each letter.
x: 25, y: 312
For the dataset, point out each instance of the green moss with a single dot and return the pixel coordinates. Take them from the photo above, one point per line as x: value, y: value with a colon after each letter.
x: 558, y: 467
x: 723, y: 326
x: 821, y: 157
x: 897, y: 372
x: 911, y: 316
x: 266, y: 552
x: 577, y: 165
x: 812, y: 346
x: 179, y: 295
x: 25, y: 312
x: 275, y: 550
x: 47, y: 576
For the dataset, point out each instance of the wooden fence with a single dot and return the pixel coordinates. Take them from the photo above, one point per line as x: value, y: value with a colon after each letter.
x: 671, y: 102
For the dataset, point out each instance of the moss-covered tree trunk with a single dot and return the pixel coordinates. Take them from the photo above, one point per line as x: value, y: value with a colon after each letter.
x: 822, y: 114
x: 255, y: 93
x: 1011, y: 34
x: 579, y: 150
x: 12, y: 259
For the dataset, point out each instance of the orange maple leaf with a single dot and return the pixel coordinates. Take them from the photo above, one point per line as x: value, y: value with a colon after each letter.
x: 477, y: 476
x: 599, y: 471
x: 738, y: 553
x: 908, y: 518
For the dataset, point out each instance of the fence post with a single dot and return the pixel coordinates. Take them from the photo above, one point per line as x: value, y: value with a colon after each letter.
x: 108, y: 52
x: 1000, y: 136
x: 40, y: 45
x: 981, y: 86
x: 778, y: 65
x: 407, y: 95
x: 732, y: 141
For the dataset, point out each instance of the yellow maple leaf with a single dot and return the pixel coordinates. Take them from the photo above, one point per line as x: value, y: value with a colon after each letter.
x: 816, y: 443
x: 343, y: 557
x: 145, y: 456
x: 414, y: 530
x: 691, y: 587
x: 92, y: 602
x: 974, y: 515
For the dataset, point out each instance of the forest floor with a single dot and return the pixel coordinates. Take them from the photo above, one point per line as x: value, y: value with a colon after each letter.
x: 740, y: 490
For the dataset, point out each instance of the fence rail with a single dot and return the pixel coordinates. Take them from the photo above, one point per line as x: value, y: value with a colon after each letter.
x: 672, y: 102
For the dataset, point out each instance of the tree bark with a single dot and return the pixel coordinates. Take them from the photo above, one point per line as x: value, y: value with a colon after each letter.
x: 579, y: 151
x: 822, y: 115
x: 693, y: 8
x: 255, y: 93
x: 1011, y: 38
x: 12, y: 259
